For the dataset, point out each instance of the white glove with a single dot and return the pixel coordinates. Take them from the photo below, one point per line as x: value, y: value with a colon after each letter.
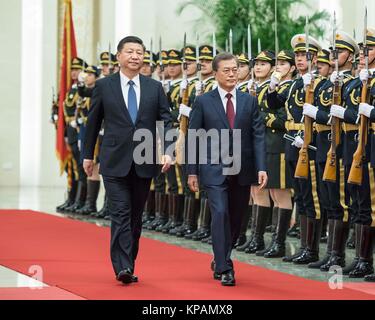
x: 337, y: 111
x: 183, y: 86
x: 307, y: 79
x: 55, y: 117
x: 250, y: 85
x: 275, y: 80
x: 364, y: 75
x: 81, y: 77
x: 101, y: 132
x: 73, y: 124
x: 184, y: 110
x: 334, y: 76
x: 310, y: 110
x: 80, y: 121
x: 199, y: 87
x: 214, y: 86
x: 365, y: 109
x: 166, y: 86
x: 298, y: 142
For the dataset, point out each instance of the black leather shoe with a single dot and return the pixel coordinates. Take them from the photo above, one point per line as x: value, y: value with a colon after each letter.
x: 227, y: 279
x: 126, y: 277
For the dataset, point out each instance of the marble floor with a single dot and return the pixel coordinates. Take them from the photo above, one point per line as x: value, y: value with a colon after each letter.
x: 46, y: 199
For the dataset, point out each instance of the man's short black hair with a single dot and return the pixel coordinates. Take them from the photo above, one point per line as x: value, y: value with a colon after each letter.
x: 130, y: 39
x: 225, y: 56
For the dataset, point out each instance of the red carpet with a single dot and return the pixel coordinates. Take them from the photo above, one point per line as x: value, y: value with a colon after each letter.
x: 75, y: 257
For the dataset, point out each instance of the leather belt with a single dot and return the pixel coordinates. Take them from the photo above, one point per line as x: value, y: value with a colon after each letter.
x: 322, y: 127
x: 348, y: 127
x: 292, y: 126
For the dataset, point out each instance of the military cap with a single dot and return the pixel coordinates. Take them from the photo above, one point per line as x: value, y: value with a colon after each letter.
x: 93, y: 70
x: 370, y: 37
x: 286, y: 55
x: 243, y: 58
x: 190, y: 53
x: 324, y: 56
x: 206, y: 53
x: 174, y: 57
x: 78, y: 63
x: 298, y: 43
x: 113, y: 58
x: 266, y: 55
x: 148, y: 56
x: 345, y: 41
x: 164, y: 55
x: 106, y: 58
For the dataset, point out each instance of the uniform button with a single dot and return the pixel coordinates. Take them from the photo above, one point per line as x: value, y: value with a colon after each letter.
x: 290, y: 107
x: 273, y: 131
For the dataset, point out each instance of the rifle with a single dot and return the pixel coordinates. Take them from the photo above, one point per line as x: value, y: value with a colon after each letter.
x: 180, y: 144
x: 253, y: 89
x: 110, y: 65
x: 302, y: 169
x: 356, y: 170
x: 151, y: 58
x: 330, y: 170
x: 161, y: 64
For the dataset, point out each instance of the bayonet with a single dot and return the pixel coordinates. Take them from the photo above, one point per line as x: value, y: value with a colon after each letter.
x: 110, y: 58
x: 276, y: 34
x: 231, y: 41
x: 214, y: 44
x: 199, y: 67
x: 151, y: 56
x: 259, y: 46
x: 226, y: 45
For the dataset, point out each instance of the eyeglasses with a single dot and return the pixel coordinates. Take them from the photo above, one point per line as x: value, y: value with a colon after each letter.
x: 228, y: 71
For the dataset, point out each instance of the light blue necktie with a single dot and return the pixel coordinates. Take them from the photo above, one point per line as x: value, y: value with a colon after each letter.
x: 132, y: 102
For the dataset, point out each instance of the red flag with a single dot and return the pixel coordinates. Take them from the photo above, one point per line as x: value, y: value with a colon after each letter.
x: 69, y: 51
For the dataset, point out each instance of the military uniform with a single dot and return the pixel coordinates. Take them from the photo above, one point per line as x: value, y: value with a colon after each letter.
x: 243, y: 58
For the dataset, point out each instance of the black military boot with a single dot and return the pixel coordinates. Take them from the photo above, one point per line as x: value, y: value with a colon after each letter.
x: 311, y: 254
x: 80, y: 198
x: 260, y: 226
x: 318, y: 264
x: 173, y: 208
x: 254, y: 210
x: 188, y: 202
x: 244, y: 224
x: 204, y: 229
x: 191, y: 219
x: 89, y: 208
x: 340, y: 235
x: 351, y: 267
x: 303, y: 239
x: 160, y: 211
x: 365, y: 264
x: 149, y: 209
x: 294, y: 231
x: 70, y: 199
x: 283, y: 223
x: 351, y: 241
x: 275, y: 218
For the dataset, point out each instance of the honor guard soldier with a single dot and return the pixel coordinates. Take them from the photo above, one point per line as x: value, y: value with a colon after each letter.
x: 361, y: 198
x: 85, y: 88
x: 106, y: 63
x: 368, y: 110
x: 305, y: 189
x: 244, y: 72
x: 70, y: 106
x: 149, y: 64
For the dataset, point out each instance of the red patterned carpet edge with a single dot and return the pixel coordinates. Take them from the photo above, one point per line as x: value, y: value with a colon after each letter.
x: 74, y: 256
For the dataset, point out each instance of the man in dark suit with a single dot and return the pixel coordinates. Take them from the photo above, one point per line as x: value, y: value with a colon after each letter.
x: 228, y: 192
x: 127, y: 102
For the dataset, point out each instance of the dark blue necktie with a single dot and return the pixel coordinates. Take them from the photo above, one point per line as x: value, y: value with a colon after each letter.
x: 132, y: 102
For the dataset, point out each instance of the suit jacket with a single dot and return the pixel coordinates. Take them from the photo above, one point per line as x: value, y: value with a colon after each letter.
x: 208, y: 113
x: 116, y: 154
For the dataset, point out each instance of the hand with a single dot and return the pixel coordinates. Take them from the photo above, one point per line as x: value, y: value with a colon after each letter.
x: 166, y: 86
x: 88, y: 166
x: 365, y: 109
x: 298, y: 142
x: 80, y: 121
x: 310, y: 110
x: 101, y: 132
x: 55, y: 117
x: 183, y: 85
x: 193, y: 183
x: 82, y: 77
x: 307, y: 79
x: 337, y: 111
x: 250, y: 85
x: 73, y: 124
x: 275, y: 81
x: 184, y: 110
x: 214, y: 86
x: 334, y: 76
x: 166, y: 161
x: 364, y: 75
x: 262, y: 179
x: 199, y: 87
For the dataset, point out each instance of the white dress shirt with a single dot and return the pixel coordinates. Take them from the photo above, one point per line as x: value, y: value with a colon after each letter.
x: 224, y: 99
x: 125, y: 88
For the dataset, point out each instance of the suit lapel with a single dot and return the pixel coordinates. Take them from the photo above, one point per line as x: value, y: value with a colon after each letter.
x: 240, y: 101
x: 219, y: 107
x: 116, y: 88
